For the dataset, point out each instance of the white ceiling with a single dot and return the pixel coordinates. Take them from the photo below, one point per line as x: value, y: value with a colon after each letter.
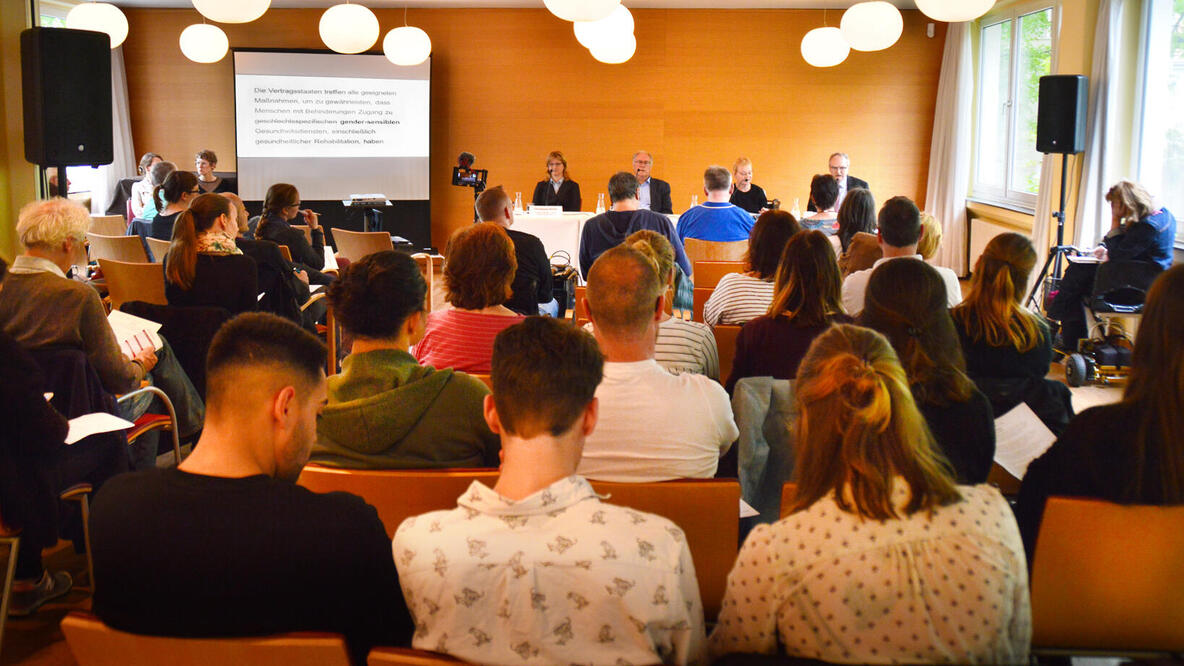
x: 664, y: 4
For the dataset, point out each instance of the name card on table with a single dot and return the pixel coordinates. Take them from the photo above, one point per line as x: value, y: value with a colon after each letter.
x: 544, y: 210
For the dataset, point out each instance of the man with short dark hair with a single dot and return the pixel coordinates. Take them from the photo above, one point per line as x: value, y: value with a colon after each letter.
x: 609, y: 229
x: 899, y: 232
x: 227, y: 544
x: 716, y: 219
x: 538, y: 569
x: 654, y: 426
x: 652, y: 193
x: 838, y: 165
x: 532, y: 281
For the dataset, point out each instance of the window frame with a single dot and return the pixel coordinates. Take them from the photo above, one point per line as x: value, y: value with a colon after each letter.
x: 1139, y: 127
x: 1005, y: 196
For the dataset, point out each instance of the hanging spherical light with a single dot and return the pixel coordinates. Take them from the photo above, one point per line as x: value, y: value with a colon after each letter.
x: 349, y: 28
x: 99, y: 17
x: 954, y: 11
x: 871, y: 26
x: 619, y: 22
x: 407, y: 46
x: 825, y: 47
x: 581, y: 10
x: 615, y: 50
x: 202, y: 42
x: 231, y: 11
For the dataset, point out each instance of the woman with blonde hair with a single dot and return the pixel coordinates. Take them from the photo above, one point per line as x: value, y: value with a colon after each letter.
x: 1008, y: 349
x: 931, y: 235
x: 204, y: 267
x: 558, y: 189
x: 882, y: 558
x: 806, y: 303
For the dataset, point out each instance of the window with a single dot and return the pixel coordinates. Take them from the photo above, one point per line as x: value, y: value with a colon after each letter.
x: 1015, y: 50
x: 1161, y: 136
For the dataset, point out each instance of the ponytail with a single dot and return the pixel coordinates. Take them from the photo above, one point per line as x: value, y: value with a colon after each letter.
x: 279, y: 196
x: 181, y: 264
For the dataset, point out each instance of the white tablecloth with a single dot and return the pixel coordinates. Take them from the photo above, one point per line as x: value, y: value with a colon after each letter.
x: 559, y: 233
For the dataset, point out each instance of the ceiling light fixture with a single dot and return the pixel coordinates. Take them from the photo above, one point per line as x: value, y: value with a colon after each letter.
x: 349, y: 28
x: 871, y: 26
x: 581, y: 10
x: 407, y: 45
x: 204, y: 43
x: 954, y: 11
x: 231, y: 11
x: 99, y: 17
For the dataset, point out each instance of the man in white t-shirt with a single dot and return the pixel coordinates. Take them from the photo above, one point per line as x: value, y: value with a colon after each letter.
x: 899, y: 232
x: 654, y: 426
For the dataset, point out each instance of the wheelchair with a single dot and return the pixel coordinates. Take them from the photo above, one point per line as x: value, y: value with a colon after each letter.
x: 1120, y: 288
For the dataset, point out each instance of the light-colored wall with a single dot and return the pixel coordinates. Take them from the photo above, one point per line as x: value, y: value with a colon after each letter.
x: 17, y: 177
x: 510, y: 85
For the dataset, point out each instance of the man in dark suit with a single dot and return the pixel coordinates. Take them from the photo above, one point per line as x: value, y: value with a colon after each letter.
x: 532, y: 281
x: 838, y: 165
x: 653, y: 192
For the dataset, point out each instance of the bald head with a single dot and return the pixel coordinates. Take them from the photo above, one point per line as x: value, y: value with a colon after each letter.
x: 623, y: 293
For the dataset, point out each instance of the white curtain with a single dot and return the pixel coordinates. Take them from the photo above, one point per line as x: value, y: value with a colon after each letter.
x: 949, y: 151
x: 1098, y: 171
x: 124, y: 164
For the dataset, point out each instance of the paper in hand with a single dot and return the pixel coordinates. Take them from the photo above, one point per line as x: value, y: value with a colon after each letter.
x: 1020, y: 438
x: 93, y: 424
x: 134, y: 333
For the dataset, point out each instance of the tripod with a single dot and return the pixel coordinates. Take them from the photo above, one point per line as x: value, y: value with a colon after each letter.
x: 1054, y: 252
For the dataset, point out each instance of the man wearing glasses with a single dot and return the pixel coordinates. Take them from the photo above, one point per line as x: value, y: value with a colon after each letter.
x: 838, y: 165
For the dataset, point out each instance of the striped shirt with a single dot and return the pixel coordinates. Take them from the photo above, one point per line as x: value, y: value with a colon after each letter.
x: 685, y: 347
x: 737, y: 298
x: 461, y: 340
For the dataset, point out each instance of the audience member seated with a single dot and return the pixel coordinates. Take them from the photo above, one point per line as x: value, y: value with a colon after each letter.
x: 715, y: 219
x: 858, y: 246
x: 281, y: 209
x: 204, y: 162
x: 747, y: 195
x: 557, y: 189
x: 142, y: 188
x: 931, y: 234
x: 538, y: 569
x: 824, y: 195
x: 1008, y: 349
x: 805, y: 305
x: 385, y: 410
x: 228, y: 544
x: 740, y: 297
x: 900, y: 231
x: 625, y: 216
x: 1131, y: 452
x: 882, y: 558
x: 157, y: 174
x: 41, y: 308
x: 204, y: 267
x: 906, y: 302
x: 532, y: 280
x: 654, y: 425
x: 172, y: 197
x: 682, y: 346
x: 1139, y: 231
x: 479, y: 268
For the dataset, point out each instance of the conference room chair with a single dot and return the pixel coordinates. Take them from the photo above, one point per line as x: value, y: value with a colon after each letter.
x: 307, y: 232
x: 579, y: 313
x: 708, y: 273
x: 485, y: 379
x: 398, y: 494
x: 95, y: 644
x: 427, y: 266
x: 353, y: 245
x: 408, y: 657
x: 725, y: 343
x: 119, y: 248
x: 707, y: 510
x: 701, y: 250
x: 286, y: 252
x: 787, y: 492
x: 158, y: 248
x: 1106, y: 579
x: 10, y: 536
x: 133, y: 281
x: 1008, y: 485
x: 699, y: 300
x: 108, y: 225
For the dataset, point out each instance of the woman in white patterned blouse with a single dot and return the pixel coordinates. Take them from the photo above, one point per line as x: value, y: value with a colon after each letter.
x: 882, y: 558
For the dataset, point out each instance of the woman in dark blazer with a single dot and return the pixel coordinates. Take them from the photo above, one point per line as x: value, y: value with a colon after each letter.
x: 557, y: 190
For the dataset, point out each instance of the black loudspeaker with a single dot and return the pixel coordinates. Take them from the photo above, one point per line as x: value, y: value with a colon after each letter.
x: 66, y: 78
x: 1060, y: 118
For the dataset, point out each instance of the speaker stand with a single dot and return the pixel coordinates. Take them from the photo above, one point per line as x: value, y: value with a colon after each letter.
x: 1054, y: 252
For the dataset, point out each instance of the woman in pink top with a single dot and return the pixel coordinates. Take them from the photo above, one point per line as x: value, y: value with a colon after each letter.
x: 479, y: 266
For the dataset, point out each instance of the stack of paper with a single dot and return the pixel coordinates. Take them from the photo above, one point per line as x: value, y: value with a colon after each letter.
x: 134, y: 333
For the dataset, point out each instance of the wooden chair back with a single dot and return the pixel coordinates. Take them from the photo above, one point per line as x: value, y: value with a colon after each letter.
x: 307, y: 232
x: 1106, y: 577
x: 700, y: 299
x: 408, y: 657
x: 701, y: 250
x: 398, y: 494
x: 708, y: 273
x: 133, y: 281
x: 95, y: 644
x: 108, y: 225
x: 354, y: 245
x: 580, y: 312
x: 286, y: 252
x: 707, y: 510
x: 1002, y: 479
x: 787, y: 492
x: 485, y: 379
x: 725, y: 343
x: 426, y: 263
x: 119, y: 248
x: 159, y: 249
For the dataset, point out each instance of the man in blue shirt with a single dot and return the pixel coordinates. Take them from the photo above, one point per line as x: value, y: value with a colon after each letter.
x: 716, y: 219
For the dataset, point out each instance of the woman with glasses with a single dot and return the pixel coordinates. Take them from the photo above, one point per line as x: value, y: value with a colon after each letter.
x: 557, y: 189
x: 172, y: 196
